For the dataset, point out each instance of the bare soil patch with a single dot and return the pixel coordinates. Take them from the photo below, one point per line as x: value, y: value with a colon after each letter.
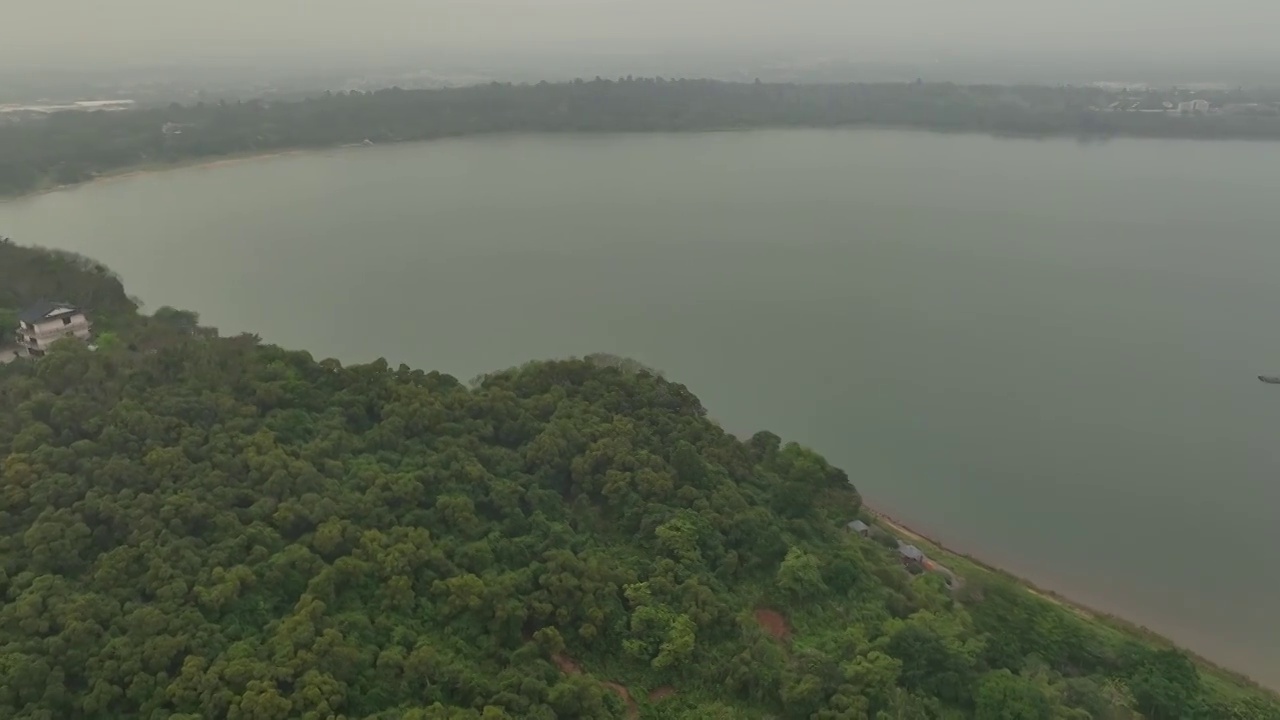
x: 567, y: 665
x: 661, y: 693
x: 774, y: 623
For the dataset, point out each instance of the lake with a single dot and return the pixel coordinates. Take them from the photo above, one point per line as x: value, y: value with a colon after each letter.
x: 1041, y: 352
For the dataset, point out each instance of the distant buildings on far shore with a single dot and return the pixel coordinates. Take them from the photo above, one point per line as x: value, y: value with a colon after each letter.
x: 1175, y: 102
x: 20, y: 110
x: 1157, y: 105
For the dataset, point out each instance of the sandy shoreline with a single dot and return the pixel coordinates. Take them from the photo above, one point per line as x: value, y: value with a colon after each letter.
x: 155, y: 169
x: 1084, y: 611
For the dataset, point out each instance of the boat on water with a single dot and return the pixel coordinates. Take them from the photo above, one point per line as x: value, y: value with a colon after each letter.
x: 1270, y: 379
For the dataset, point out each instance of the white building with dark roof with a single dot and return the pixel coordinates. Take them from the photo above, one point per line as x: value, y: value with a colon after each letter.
x: 44, y: 323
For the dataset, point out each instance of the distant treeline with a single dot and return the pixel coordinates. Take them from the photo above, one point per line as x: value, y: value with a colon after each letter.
x: 72, y: 147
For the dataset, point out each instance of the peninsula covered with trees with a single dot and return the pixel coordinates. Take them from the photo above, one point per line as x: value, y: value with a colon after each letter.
x: 70, y: 147
x: 194, y: 526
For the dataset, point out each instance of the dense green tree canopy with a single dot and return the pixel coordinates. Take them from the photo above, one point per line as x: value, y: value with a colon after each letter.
x: 204, y: 527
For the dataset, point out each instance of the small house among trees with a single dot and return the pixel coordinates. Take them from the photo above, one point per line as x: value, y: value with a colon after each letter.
x: 911, y: 555
x: 44, y: 323
x: 859, y: 527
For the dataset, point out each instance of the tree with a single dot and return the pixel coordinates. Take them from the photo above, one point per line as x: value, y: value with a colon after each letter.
x: 8, y: 323
x: 1166, y: 685
x: 873, y: 676
x: 183, y: 320
x: 1001, y: 695
x: 936, y: 657
x: 800, y: 575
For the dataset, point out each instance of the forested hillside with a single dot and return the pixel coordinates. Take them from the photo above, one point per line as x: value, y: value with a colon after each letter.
x: 28, y: 275
x: 214, y: 528
x: 71, y: 147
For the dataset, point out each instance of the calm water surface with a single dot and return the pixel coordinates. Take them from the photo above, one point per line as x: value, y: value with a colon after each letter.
x: 1042, y: 352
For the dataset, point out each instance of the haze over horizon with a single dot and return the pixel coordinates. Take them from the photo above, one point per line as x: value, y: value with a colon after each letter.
x: 1120, y: 34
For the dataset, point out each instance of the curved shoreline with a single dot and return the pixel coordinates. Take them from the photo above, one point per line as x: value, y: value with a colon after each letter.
x: 1084, y: 611
x: 144, y: 169
x: 137, y: 171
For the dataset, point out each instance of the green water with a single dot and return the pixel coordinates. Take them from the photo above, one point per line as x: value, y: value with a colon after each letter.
x: 1041, y: 352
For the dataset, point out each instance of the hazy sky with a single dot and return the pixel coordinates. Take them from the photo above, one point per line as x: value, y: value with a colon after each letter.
x: 43, y: 31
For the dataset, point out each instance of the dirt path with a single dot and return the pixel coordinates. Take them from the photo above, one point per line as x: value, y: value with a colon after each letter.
x: 633, y: 710
x: 901, y: 529
x: 569, y: 666
x: 954, y: 581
